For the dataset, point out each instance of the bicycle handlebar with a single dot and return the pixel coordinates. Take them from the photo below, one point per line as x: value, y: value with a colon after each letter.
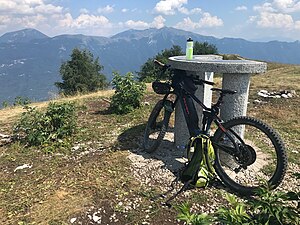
x: 201, y: 82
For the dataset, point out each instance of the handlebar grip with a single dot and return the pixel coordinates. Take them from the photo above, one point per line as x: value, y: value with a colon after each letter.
x: 159, y: 63
x: 207, y: 82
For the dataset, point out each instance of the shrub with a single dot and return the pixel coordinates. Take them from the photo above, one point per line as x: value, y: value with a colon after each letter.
x: 36, y: 127
x: 268, y: 208
x: 128, y: 93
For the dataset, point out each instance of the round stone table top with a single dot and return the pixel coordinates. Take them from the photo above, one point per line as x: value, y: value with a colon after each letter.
x: 214, y: 63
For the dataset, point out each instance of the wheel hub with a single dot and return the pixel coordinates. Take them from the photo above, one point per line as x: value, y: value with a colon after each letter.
x: 248, y: 155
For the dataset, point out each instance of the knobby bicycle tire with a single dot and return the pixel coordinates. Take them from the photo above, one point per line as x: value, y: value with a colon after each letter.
x: 265, y: 146
x: 156, y: 130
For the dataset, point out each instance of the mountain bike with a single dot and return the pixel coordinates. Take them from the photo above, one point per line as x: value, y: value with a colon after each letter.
x: 248, y: 153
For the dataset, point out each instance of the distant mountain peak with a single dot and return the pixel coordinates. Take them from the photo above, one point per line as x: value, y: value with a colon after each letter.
x: 21, y: 36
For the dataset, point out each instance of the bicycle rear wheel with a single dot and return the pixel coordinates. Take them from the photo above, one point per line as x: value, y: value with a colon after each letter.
x: 156, y: 127
x: 263, y: 159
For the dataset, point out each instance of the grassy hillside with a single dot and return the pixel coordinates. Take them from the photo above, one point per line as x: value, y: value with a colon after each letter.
x: 101, y: 175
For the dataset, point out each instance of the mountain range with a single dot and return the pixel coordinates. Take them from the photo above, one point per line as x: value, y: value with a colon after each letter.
x: 30, y: 60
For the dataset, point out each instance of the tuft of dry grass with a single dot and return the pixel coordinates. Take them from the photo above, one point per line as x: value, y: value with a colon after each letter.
x: 8, y: 114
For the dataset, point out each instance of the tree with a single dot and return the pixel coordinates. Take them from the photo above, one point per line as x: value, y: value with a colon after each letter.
x: 81, y: 74
x: 204, y: 48
x: 149, y: 71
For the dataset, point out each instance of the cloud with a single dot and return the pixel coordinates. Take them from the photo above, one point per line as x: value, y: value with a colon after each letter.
x: 49, y: 18
x: 286, y: 6
x: 275, y: 20
x: 210, y: 21
x: 124, y: 10
x: 158, y: 22
x: 205, y: 22
x: 85, y: 20
x: 27, y: 7
x: 279, y: 6
x: 276, y: 14
x: 185, y: 11
x: 84, y: 11
x: 266, y: 7
x: 186, y: 24
x: 297, y: 25
x: 241, y: 8
x: 107, y: 9
x: 168, y: 7
x: 136, y: 24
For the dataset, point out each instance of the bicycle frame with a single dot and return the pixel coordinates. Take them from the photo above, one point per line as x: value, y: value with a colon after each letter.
x: 210, y: 115
x: 187, y: 99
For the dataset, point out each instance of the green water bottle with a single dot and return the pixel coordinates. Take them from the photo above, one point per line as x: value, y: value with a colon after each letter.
x: 189, y: 49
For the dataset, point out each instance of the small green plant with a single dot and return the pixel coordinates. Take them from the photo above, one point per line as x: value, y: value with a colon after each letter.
x: 36, y: 127
x: 234, y: 214
x: 128, y: 93
x: 267, y: 208
x: 273, y: 207
x: 5, y: 104
x: 192, y: 218
x: 21, y: 101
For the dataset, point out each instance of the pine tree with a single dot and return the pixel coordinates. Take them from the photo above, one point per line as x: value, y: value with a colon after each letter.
x: 81, y: 74
x: 204, y: 48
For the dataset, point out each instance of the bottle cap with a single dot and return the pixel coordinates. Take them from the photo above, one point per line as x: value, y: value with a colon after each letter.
x: 190, y: 39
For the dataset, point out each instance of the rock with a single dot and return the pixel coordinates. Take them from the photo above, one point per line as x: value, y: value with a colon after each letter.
x: 5, y: 139
x: 263, y: 91
x: 262, y: 94
x: 96, y: 218
x: 25, y: 166
x: 284, y: 96
x: 4, y: 136
x: 72, y: 220
x: 257, y: 101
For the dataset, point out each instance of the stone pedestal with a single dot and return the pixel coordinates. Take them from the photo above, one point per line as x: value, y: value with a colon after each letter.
x: 236, y: 76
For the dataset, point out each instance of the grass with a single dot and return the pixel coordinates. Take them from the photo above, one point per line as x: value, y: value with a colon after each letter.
x: 89, y: 173
x: 282, y: 114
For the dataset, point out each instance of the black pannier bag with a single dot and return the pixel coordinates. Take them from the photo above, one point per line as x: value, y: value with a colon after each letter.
x: 160, y: 87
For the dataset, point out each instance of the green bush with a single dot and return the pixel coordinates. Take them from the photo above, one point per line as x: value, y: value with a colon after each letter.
x: 36, y: 127
x: 267, y: 208
x: 128, y: 93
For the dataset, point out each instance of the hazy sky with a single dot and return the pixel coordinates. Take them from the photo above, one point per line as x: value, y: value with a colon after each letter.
x: 252, y: 20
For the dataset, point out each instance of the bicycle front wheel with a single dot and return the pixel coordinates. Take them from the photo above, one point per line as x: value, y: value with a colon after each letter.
x: 156, y: 127
x: 262, y: 159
